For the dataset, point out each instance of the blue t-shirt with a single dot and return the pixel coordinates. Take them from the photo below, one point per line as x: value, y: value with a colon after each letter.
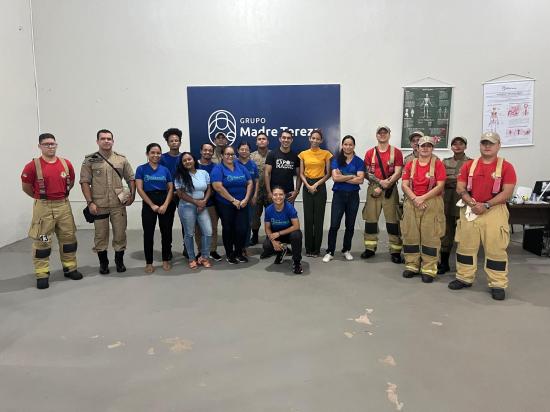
x: 201, y: 180
x: 234, y: 181
x: 153, y: 179
x: 252, y: 169
x: 170, y: 162
x: 280, y: 220
x: 351, y: 168
x: 208, y: 168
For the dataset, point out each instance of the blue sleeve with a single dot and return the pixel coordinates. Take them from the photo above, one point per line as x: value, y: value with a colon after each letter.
x: 217, y: 174
x: 334, y: 164
x: 267, y: 214
x: 246, y: 173
x: 360, y: 164
x: 168, y: 176
x: 292, y: 213
x: 139, y: 173
x: 162, y: 162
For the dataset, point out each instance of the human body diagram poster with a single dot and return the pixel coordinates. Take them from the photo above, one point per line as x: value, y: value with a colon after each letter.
x: 508, y: 110
x: 427, y: 109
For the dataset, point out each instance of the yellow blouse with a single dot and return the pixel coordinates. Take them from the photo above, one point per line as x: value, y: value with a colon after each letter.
x: 314, y: 162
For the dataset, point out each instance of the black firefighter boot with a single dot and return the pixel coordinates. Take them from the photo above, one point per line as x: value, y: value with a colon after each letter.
x: 119, y: 261
x: 103, y: 262
x: 443, y: 266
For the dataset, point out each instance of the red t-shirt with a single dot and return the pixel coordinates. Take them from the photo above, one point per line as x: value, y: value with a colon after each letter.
x: 385, y: 156
x: 54, y: 178
x: 421, y: 180
x: 483, y: 178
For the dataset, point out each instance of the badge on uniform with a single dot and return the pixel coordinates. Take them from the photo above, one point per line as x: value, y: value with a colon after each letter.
x: 43, y: 238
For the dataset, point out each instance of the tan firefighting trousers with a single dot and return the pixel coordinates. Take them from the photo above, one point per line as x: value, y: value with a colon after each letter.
x: 49, y: 217
x: 422, y: 230
x: 371, y: 214
x: 491, y: 229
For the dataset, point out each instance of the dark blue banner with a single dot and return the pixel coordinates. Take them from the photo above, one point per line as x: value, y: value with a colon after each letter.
x: 241, y: 112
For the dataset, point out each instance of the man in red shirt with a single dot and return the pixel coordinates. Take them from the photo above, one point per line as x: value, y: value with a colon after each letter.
x: 48, y: 179
x: 484, y: 185
x: 423, y: 222
x: 383, y: 164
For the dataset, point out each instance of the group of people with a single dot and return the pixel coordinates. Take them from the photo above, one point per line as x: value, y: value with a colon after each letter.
x: 237, y: 186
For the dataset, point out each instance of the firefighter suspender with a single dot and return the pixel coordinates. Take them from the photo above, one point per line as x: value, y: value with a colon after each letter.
x: 431, y: 173
x: 40, y: 177
x: 497, y: 184
x: 391, y: 166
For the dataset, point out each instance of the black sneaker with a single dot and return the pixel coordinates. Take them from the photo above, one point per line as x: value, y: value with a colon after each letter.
x: 232, y: 260
x: 427, y: 278
x: 367, y: 254
x: 396, y: 258
x: 409, y: 274
x: 42, y: 283
x: 297, y: 268
x: 214, y: 255
x: 242, y: 259
x: 280, y: 257
x: 498, y: 293
x: 74, y: 275
x: 458, y: 284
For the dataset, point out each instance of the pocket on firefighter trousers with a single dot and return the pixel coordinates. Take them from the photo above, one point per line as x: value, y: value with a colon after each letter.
x: 503, y: 237
x: 439, y: 226
x: 458, y: 230
x: 36, y: 227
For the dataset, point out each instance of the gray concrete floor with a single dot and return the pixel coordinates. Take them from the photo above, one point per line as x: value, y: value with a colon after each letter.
x: 255, y: 338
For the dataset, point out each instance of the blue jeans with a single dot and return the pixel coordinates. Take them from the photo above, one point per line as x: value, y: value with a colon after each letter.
x: 190, y: 218
x: 342, y: 203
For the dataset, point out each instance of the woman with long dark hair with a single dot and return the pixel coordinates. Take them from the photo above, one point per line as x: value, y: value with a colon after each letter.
x: 314, y: 172
x: 155, y: 186
x: 233, y: 186
x: 348, y: 173
x: 193, y: 189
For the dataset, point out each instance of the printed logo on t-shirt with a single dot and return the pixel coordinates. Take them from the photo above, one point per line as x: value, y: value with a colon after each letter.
x: 284, y: 164
x: 151, y: 178
x: 231, y: 178
x: 279, y: 222
x: 63, y: 174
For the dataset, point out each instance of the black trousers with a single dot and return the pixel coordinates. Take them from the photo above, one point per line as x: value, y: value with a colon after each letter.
x: 295, y: 241
x: 149, y: 222
x: 234, y: 228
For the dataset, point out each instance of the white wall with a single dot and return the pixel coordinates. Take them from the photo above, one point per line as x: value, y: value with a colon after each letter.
x: 18, y: 116
x: 124, y: 65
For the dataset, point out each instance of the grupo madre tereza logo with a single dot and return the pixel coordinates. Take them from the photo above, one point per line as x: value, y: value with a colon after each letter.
x: 224, y: 122
x: 248, y: 126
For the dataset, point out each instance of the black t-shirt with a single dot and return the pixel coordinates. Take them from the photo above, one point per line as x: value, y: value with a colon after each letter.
x: 283, y: 168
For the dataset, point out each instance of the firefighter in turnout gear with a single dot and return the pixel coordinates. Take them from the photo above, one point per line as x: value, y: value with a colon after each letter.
x: 101, y: 178
x: 383, y: 164
x: 49, y: 179
x: 450, y: 197
x: 484, y: 185
x: 423, y: 222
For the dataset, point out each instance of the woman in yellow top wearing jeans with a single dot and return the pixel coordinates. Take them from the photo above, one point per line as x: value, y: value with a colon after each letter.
x: 314, y: 172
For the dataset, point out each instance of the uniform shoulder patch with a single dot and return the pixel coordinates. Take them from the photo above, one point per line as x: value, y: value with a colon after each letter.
x: 119, y: 154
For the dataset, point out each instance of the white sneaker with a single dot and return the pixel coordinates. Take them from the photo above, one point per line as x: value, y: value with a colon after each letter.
x: 348, y: 255
x: 327, y: 258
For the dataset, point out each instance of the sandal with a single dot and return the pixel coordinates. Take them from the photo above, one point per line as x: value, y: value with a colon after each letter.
x: 205, y: 262
x: 193, y: 264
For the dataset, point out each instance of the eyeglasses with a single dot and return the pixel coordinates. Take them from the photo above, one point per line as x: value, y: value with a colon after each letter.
x: 48, y: 144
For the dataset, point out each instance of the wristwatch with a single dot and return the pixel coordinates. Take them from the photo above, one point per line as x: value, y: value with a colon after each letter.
x: 487, y: 205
